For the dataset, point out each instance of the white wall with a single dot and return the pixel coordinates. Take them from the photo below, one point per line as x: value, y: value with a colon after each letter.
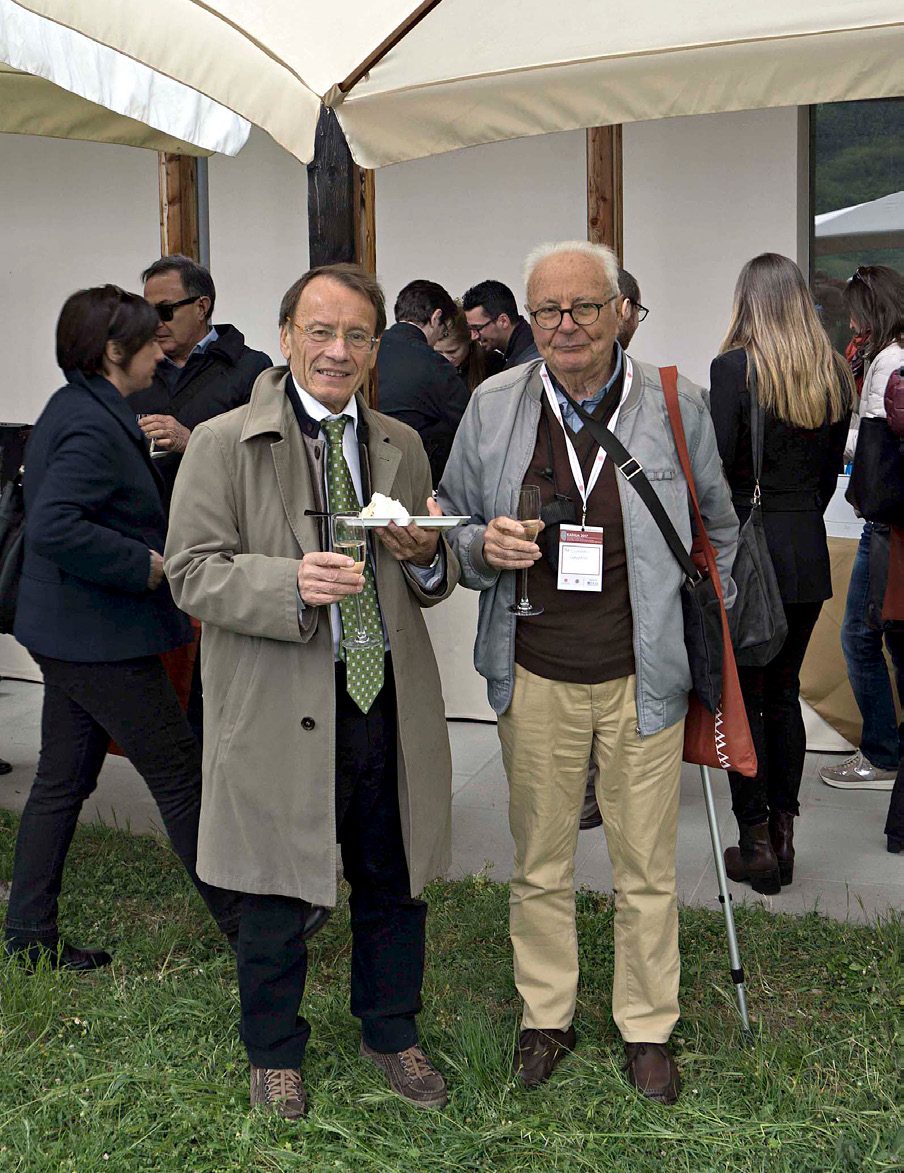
x: 703, y: 195
x: 258, y: 236
x: 468, y: 215
x: 72, y: 214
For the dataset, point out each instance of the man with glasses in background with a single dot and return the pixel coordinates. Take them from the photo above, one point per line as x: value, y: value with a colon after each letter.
x: 603, y: 670
x: 495, y: 323
x: 314, y: 741
x: 415, y: 383
x: 205, y: 370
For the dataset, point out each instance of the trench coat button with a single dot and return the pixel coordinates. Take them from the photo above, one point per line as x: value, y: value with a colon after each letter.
x: 308, y: 722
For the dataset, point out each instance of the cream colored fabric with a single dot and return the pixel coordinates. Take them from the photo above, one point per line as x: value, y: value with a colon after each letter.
x: 547, y: 734
x: 57, y: 82
x: 471, y: 73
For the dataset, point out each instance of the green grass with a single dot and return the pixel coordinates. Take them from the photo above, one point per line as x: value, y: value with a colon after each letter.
x: 140, y: 1067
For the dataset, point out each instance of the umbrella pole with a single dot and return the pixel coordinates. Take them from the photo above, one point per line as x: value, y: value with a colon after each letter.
x: 734, y: 955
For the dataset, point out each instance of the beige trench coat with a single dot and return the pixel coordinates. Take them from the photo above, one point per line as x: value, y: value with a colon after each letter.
x: 237, y: 533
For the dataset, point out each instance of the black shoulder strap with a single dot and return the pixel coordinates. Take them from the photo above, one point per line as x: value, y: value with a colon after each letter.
x: 632, y: 471
x: 757, y: 426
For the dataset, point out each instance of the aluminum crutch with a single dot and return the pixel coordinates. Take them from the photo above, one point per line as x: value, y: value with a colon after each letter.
x: 734, y: 956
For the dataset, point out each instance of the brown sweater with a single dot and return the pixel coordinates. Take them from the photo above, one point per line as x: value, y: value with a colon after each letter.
x: 584, y: 637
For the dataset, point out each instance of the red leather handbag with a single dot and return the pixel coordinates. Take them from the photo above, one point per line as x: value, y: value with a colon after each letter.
x: 721, y: 739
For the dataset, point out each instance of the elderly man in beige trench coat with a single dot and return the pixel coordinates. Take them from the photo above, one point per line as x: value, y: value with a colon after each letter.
x: 307, y: 742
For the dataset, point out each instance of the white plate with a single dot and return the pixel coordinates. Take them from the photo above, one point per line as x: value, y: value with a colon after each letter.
x: 427, y: 522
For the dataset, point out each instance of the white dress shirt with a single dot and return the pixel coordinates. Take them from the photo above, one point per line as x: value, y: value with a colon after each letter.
x: 429, y: 577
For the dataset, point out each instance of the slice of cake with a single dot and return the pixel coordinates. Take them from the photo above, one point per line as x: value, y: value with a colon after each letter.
x: 382, y: 506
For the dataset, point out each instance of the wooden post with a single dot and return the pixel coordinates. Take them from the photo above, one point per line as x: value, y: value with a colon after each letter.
x: 604, y: 187
x: 179, y: 206
x: 341, y: 210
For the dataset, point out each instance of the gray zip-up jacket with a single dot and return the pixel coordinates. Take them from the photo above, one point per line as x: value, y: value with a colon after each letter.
x: 483, y: 476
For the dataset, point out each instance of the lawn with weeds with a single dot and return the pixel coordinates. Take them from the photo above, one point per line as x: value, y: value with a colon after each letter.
x: 139, y: 1067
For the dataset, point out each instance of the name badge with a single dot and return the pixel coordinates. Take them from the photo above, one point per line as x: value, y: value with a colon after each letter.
x: 580, y: 558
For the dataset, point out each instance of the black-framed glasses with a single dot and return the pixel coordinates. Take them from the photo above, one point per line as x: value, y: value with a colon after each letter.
x: 475, y: 331
x: 642, y: 310
x: 321, y: 336
x: 166, y: 309
x: 582, y: 313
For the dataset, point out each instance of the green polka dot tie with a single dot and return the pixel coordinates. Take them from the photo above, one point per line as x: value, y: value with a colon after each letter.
x: 364, y: 666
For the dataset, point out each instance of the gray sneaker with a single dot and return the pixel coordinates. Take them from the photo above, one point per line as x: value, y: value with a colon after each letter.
x: 411, y: 1075
x: 858, y: 773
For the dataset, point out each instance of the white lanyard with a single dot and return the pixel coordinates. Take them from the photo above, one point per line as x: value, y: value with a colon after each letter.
x: 569, y: 447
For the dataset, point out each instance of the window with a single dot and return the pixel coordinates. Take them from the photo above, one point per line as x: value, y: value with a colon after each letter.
x: 857, y: 161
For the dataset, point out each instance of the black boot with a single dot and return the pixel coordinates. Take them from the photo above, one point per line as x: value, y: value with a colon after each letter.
x: 753, y: 861
x: 781, y: 833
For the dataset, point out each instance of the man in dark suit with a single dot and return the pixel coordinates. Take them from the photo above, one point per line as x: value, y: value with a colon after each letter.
x: 205, y: 369
x: 495, y: 323
x: 416, y: 384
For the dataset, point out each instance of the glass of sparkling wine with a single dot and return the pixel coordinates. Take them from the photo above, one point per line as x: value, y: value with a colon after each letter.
x: 350, y: 538
x: 529, y: 516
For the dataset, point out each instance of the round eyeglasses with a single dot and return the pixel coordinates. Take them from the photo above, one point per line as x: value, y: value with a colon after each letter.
x: 321, y: 336
x: 582, y: 313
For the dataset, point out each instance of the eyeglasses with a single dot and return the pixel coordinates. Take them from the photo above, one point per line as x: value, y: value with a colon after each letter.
x: 321, y: 336
x: 476, y: 330
x: 642, y: 310
x: 166, y: 309
x: 582, y: 313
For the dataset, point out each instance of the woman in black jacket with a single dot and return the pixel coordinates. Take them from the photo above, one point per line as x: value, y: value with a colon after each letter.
x: 806, y: 390
x: 95, y: 612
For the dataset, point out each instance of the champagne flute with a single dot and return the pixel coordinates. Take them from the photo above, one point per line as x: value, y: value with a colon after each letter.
x: 529, y: 516
x: 350, y: 538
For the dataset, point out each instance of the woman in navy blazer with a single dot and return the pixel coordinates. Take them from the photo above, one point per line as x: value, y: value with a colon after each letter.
x: 95, y: 611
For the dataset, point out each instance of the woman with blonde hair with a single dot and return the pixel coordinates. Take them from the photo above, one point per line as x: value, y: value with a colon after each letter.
x: 777, y: 349
x: 469, y: 358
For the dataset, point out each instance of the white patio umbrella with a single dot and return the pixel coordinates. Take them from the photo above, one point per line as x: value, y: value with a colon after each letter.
x: 874, y: 224
x: 412, y: 79
x: 58, y: 83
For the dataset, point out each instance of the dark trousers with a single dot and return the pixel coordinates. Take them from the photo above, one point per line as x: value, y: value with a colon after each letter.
x: 387, y: 924
x: 85, y: 705
x: 772, y: 700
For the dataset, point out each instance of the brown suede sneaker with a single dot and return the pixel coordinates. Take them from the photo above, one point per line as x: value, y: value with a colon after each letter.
x: 279, y: 1090
x: 652, y: 1070
x: 538, y: 1053
x: 411, y: 1075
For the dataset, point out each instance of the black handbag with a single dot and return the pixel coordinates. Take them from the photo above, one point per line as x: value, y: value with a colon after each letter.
x: 876, y: 487
x: 757, y: 620
x: 12, y: 549
x: 700, y: 602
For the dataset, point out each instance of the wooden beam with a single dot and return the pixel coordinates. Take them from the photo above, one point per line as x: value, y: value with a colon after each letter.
x: 604, y: 187
x: 179, y: 206
x: 384, y: 47
x: 341, y: 208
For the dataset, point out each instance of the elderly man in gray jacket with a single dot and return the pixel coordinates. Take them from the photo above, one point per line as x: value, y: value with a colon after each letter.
x: 603, y: 670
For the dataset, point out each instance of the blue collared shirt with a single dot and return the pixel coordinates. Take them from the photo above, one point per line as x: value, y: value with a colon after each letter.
x: 569, y: 415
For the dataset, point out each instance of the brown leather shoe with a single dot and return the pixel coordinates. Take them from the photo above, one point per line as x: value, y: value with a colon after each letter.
x: 652, y: 1070
x: 590, y: 815
x: 753, y: 861
x: 279, y: 1090
x: 411, y: 1075
x: 781, y: 833
x: 538, y: 1054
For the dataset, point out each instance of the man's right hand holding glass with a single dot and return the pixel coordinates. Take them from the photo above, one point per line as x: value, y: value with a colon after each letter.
x: 505, y: 546
x: 326, y: 578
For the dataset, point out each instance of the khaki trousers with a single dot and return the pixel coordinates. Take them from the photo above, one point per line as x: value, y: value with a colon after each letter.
x: 548, y: 735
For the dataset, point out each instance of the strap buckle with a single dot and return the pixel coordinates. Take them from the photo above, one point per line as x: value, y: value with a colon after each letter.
x: 638, y: 467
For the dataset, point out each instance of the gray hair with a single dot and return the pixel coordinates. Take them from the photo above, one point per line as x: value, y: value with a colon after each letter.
x: 601, y: 253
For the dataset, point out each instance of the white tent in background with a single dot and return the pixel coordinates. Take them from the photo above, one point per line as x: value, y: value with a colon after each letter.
x: 875, y: 224
x: 58, y: 83
x: 410, y: 79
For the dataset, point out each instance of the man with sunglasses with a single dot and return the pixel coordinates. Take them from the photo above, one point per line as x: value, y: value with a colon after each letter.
x: 496, y: 325
x: 602, y: 669
x: 206, y: 369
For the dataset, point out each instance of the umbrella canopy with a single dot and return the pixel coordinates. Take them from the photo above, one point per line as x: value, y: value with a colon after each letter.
x: 413, y: 79
x: 59, y: 83
x: 875, y: 224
